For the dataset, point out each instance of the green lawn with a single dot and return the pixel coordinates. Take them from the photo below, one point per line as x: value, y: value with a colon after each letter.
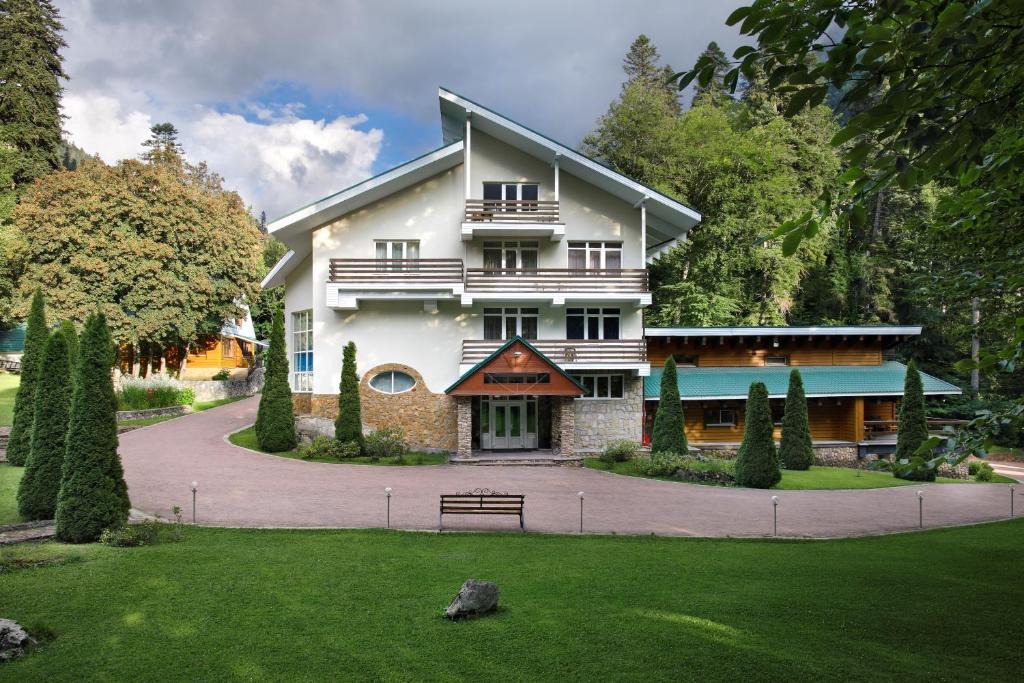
x: 365, y: 605
x: 200, y: 406
x: 9, y: 478
x: 8, y: 388
x: 814, y: 478
x: 247, y: 439
x: 197, y: 407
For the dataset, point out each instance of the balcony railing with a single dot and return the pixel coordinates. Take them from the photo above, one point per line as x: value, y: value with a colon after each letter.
x: 511, y: 211
x: 362, y: 271
x: 593, y: 351
x: 608, y: 280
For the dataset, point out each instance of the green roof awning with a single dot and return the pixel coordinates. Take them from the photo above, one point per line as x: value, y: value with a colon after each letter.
x: 12, y: 340
x: 819, y: 380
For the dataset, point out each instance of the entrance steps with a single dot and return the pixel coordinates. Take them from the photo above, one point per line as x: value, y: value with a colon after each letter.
x: 536, y: 458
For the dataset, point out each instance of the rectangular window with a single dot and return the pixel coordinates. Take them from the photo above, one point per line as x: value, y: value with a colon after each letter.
x: 302, y: 351
x: 510, y: 254
x: 511, y: 197
x: 592, y: 323
x: 390, y: 251
x: 595, y: 255
x: 500, y: 378
x: 505, y: 323
x: 720, y: 417
x: 602, y: 386
x: 776, y: 361
x: 227, y: 347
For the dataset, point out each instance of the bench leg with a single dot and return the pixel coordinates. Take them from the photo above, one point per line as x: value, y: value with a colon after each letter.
x: 521, y: 527
x: 440, y: 521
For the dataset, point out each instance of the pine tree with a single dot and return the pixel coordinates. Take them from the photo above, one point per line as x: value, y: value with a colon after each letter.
x: 913, y: 423
x: 349, y: 424
x: 795, y: 450
x: 31, y: 67
x: 20, y: 439
x: 93, y: 494
x: 37, y: 493
x: 757, y: 463
x: 275, y: 423
x: 641, y: 66
x: 669, y: 435
x: 162, y: 147
x: 715, y: 91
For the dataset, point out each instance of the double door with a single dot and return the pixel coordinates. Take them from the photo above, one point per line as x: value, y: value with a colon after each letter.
x: 509, y: 423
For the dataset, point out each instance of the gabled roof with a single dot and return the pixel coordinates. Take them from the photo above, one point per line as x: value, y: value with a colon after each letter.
x: 501, y: 349
x: 245, y: 331
x: 820, y: 381
x: 12, y: 340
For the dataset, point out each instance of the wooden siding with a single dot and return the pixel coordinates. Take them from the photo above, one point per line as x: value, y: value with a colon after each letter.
x: 525, y: 363
x: 209, y: 353
x: 732, y: 353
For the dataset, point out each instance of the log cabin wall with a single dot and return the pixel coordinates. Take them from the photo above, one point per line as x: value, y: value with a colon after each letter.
x: 734, y: 352
x: 830, y: 419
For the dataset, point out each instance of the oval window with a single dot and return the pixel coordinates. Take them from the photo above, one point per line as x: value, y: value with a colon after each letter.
x: 392, y: 382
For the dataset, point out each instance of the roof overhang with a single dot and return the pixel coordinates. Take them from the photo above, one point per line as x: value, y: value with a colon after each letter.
x: 825, y: 331
x: 667, y: 219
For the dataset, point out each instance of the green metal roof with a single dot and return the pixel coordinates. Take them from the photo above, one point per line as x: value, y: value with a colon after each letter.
x: 819, y: 380
x: 12, y: 340
x: 498, y: 351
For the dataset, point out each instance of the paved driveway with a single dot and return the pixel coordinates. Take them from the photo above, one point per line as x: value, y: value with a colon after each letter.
x: 246, y: 489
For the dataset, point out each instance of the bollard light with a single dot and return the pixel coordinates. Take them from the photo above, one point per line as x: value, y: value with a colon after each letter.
x: 195, y: 487
x: 1013, y: 487
x: 387, y: 494
x: 580, y: 494
x: 920, y: 509
x: 775, y: 515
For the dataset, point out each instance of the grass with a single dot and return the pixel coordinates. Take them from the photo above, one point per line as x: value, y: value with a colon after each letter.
x: 197, y: 407
x: 816, y: 478
x: 9, y: 478
x: 8, y: 388
x: 247, y: 439
x: 365, y: 605
x: 200, y: 406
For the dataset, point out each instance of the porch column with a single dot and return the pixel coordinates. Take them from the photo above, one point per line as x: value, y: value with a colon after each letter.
x: 858, y: 419
x: 567, y: 427
x: 465, y: 426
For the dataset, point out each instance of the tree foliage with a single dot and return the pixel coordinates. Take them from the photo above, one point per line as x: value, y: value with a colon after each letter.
x: 19, y: 443
x: 93, y: 494
x: 162, y: 251
x: 348, y: 426
x: 669, y: 432
x: 275, y: 422
x: 795, y: 449
x: 271, y: 299
x: 37, y: 492
x: 757, y: 462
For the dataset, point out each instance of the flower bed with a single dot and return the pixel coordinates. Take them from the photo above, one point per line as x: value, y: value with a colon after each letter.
x: 152, y: 392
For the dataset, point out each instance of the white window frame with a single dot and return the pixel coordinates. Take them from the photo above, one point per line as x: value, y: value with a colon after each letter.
x: 392, y: 374
x: 590, y: 250
x: 302, y: 343
x: 518, y: 192
x: 592, y: 380
x: 512, y: 313
x: 601, y: 315
x: 512, y: 247
x: 410, y: 250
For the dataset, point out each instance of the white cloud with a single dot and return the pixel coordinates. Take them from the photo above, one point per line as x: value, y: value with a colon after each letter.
x: 277, y: 163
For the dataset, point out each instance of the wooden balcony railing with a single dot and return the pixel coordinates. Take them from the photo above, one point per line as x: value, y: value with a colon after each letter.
x: 605, y: 280
x: 566, y: 350
x: 374, y: 271
x: 511, y: 211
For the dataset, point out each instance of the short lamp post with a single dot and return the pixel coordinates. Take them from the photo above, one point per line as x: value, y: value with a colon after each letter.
x: 775, y: 515
x: 1013, y: 488
x: 580, y: 494
x: 195, y: 487
x: 920, y: 509
x: 387, y: 495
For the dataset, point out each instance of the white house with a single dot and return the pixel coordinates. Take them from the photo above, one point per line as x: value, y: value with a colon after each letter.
x: 433, y: 265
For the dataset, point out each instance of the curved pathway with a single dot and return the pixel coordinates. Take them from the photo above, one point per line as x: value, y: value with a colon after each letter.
x: 242, y: 488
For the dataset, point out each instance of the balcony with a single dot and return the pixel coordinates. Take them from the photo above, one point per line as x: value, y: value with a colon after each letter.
x: 571, y: 354
x: 512, y: 218
x: 354, y: 280
x: 557, y: 286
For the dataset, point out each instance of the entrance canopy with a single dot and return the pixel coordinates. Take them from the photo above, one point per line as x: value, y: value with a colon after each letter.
x: 516, y: 369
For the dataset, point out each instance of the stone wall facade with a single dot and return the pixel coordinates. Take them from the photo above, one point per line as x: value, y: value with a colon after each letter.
x: 465, y: 426
x: 601, y: 421
x: 430, y: 420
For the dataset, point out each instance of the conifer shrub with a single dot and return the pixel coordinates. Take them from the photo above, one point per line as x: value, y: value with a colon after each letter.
x: 67, y: 328
x: 37, y: 493
x: 93, y: 494
x: 913, y: 424
x: 795, y: 449
x: 348, y: 426
x: 275, y: 422
x: 668, y: 434
x: 757, y: 462
x: 19, y: 441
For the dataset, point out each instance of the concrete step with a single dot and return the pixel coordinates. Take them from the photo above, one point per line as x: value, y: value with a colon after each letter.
x: 552, y: 461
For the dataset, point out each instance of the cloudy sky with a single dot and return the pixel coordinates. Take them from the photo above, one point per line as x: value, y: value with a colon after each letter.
x: 291, y: 101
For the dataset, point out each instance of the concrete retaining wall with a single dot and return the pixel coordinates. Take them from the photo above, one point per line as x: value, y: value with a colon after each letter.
x: 211, y: 390
x: 152, y: 412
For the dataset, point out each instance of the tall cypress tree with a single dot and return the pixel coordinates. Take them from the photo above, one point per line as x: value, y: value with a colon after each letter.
x: 275, y: 423
x: 93, y: 494
x: 348, y: 426
x: 795, y: 450
x: 669, y: 435
x: 20, y: 440
x: 67, y: 328
x: 37, y: 493
x: 757, y: 463
x: 913, y: 424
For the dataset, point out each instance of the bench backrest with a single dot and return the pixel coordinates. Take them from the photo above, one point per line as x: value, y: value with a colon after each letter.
x: 476, y: 501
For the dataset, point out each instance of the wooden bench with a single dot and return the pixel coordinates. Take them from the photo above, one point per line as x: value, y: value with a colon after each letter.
x: 481, y: 502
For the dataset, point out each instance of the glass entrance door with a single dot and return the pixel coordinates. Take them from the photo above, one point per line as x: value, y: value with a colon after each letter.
x: 511, y: 423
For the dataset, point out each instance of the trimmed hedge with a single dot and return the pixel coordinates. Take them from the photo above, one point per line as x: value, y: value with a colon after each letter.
x: 93, y: 494
x: 37, y: 493
x: 757, y: 462
x: 275, y: 422
x: 668, y: 435
x: 19, y: 441
x: 795, y: 449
